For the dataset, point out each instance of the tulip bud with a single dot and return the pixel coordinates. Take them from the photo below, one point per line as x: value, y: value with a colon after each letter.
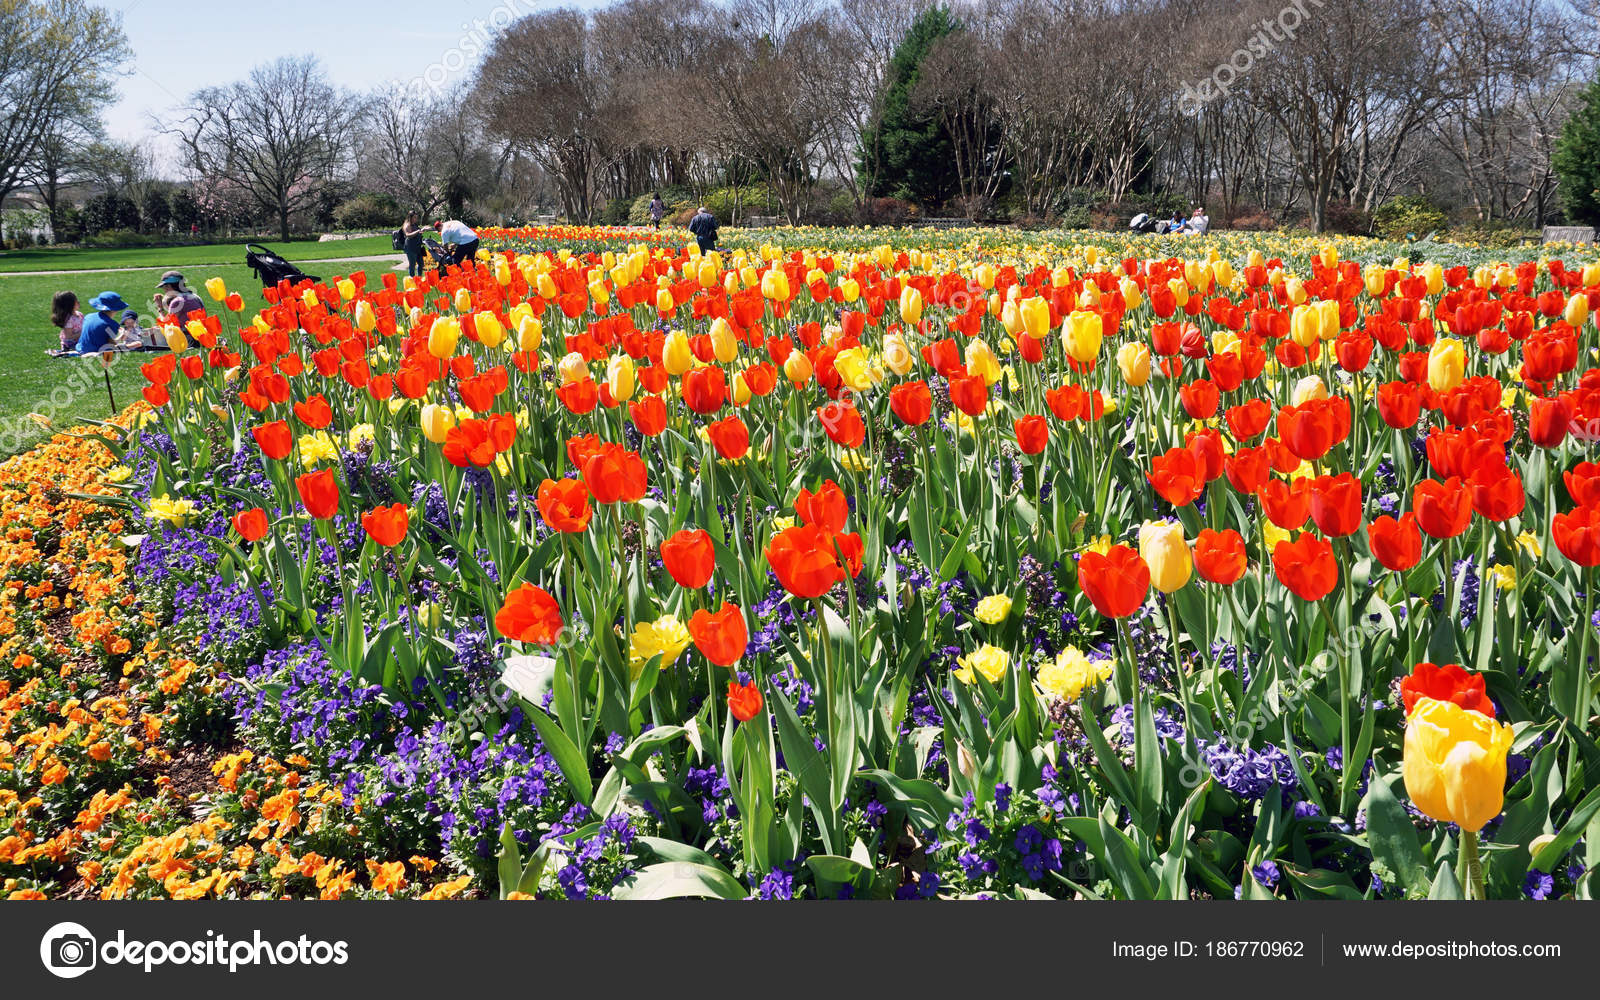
x: 1330, y: 256
x: 1374, y: 279
x: 741, y: 390
x: 1305, y: 325
x: 217, y: 289
x: 1163, y: 549
x: 1130, y: 293
x: 502, y: 272
x: 676, y: 356
x: 437, y: 421
x: 178, y: 341
x: 547, y: 287
x: 1011, y: 318
x: 463, y: 300
x: 1222, y: 271
x: 1134, y: 360
x: 366, y: 321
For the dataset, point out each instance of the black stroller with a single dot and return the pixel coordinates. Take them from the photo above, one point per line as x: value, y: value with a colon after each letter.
x: 440, y: 255
x: 271, y: 269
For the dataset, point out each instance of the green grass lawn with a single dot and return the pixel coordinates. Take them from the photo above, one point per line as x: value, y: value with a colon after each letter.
x: 70, y: 390
x: 68, y: 259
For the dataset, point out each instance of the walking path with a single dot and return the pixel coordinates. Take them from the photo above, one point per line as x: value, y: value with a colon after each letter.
x: 395, y: 258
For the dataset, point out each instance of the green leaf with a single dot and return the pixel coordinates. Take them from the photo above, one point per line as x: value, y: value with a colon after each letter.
x: 1393, y: 839
x: 680, y: 879
x: 574, y: 766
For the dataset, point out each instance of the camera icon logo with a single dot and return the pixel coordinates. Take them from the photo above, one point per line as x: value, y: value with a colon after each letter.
x: 68, y: 950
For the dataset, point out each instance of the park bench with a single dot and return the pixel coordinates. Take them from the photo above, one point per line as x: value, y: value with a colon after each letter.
x: 1569, y: 234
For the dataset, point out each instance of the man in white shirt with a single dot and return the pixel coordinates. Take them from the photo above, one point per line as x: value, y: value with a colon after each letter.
x: 1199, y: 222
x: 460, y: 236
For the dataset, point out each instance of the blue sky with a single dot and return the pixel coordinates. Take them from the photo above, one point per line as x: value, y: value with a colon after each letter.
x: 179, y: 47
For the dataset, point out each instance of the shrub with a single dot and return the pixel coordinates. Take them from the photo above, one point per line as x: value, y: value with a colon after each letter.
x: 1411, y: 217
x: 368, y: 211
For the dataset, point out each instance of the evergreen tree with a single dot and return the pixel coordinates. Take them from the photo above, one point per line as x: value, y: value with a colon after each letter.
x: 1577, y: 159
x: 906, y: 153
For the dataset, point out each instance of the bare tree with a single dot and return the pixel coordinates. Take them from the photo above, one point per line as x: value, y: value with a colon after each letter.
x: 281, y: 135
x: 43, y: 79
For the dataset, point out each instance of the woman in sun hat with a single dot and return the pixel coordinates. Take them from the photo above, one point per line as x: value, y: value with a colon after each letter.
x: 175, y: 300
x: 100, y: 330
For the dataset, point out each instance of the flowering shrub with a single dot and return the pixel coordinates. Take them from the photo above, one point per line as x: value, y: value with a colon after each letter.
x: 996, y: 567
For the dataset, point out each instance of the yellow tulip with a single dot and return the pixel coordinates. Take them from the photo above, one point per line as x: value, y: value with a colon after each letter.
x: 797, y: 367
x: 1330, y: 256
x: 599, y: 293
x: 490, y: 332
x: 1455, y: 763
x: 676, y: 356
x: 530, y: 333
x: 572, y: 368
x: 437, y: 421
x: 309, y: 297
x: 1295, y: 289
x: 1577, y: 310
x: 985, y: 276
x: 620, y: 378
x: 1134, y: 360
x: 1375, y: 280
x: 442, y: 337
x: 910, y: 304
x: 741, y: 390
x: 1591, y: 274
x: 502, y: 272
x: 982, y: 362
x: 1180, y: 290
x: 1309, y: 388
x: 1305, y: 325
x: 1035, y: 316
x: 1011, y: 318
x: 723, y: 343
x: 547, y: 286
x: 1130, y: 293
x: 851, y: 289
x: 463, y: 300
x: 1163, y: 549
x: 897, y: 354
x: 177, y: 340
x: 1222, y: 271
x: 1081, y: 335
x: 217, y: 289
x: 775, y: 285
x: 854, y: 369
x: 1328, y: 323
x: 1447, y: 364
x: 366, y: 320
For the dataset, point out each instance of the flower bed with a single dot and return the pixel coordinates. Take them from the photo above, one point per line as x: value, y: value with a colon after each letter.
x: 924, y: 570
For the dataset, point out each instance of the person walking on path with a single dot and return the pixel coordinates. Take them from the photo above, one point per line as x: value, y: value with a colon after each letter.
x: 411, y: 235
x: 658, y: 209
x: 704, y: 227
x: 460, y: 236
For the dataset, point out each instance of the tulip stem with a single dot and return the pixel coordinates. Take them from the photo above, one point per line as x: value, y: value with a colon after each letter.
x: 1469, y: 869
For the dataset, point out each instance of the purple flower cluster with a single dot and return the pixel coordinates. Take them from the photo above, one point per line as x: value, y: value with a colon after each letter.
x: 1248, y: 773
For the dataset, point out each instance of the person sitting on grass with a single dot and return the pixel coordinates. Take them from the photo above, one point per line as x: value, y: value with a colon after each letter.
x: 175, y: 299
x: 68, y: 319
x: 100, y: 330
x: 136, y: 337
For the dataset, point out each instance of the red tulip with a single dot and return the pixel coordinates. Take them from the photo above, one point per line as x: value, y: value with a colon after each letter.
x: 580, y: 397
x: 969, y: 394
x: 1199, y: 399
x: 842, y: 423
x: 720, y: 636
x: 1336, y: 504
x: 1177, y: 476
x: 1400, y: 404
x: 274, y: 439
x: 1248, y: 468
x: 529, y: 614
x: 615, y: 475
x: 1115, y: 583
x: 1444, y: 510
x: 1497, y: 492
x: 1247, y: 420
x: 1548, y: 420
x: 1306, y: 566
x: 387, y: 525
x: 803, y: 557
x: 251, y: 524
x: 314, y: 412
x: 730, y: 437
x: 1395, y: 544
x: 564, y: 504
x: 1446, y: 683
x: 1287, y: 504
x: 1583, y: 484
x: 828, y: 508
x: 705, y: 389
x: 912, y: 402
x: 1219, y: 556
x: 1206, y: 446
x: 319, y: 493
x: 1033, y: 433
x: 744, y: 700
x: 1577, y: 535
x: 1314, y: 427
x: 689, y: 557
x: 649, y: 415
